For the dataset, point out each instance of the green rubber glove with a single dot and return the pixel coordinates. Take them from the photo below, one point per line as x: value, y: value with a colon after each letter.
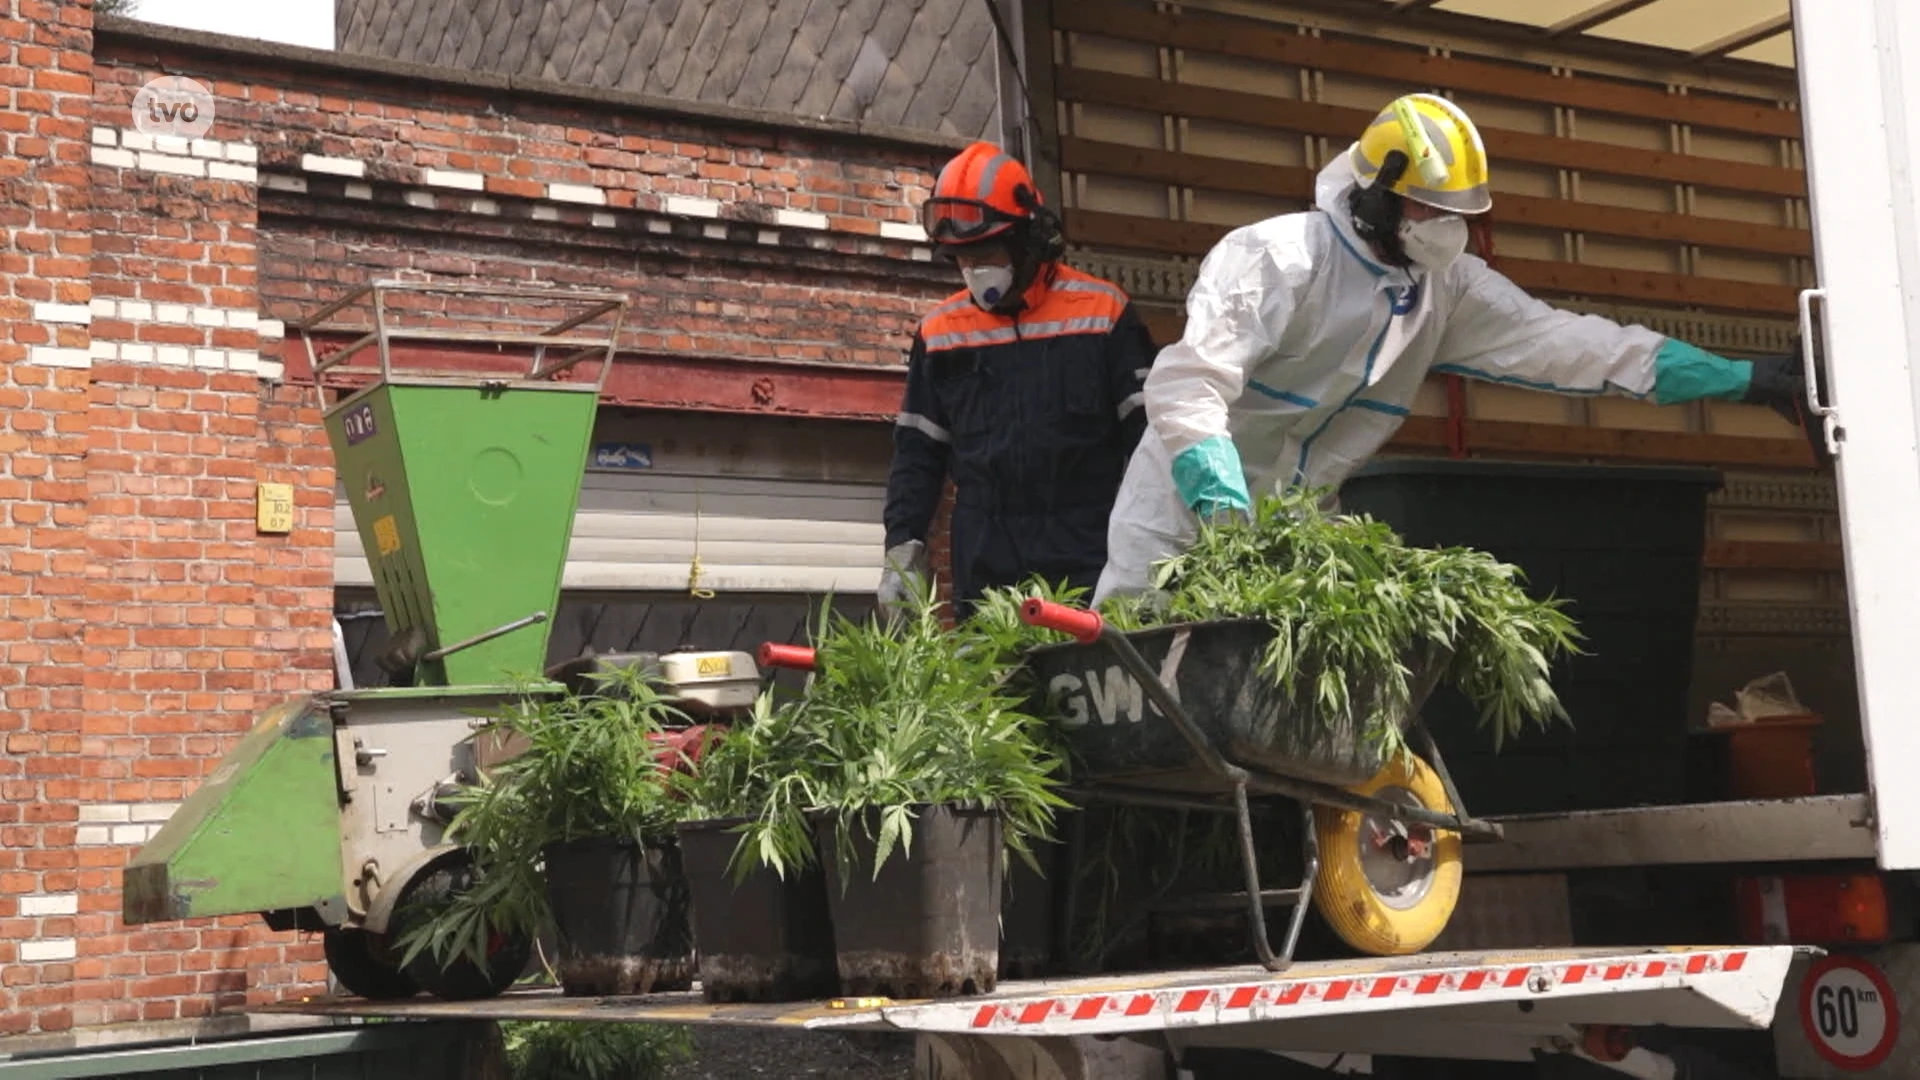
x: 1683, y: 372
x: 1210, y: 480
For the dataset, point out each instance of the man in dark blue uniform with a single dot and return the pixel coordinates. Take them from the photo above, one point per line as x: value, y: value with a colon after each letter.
x: 1025, y: 388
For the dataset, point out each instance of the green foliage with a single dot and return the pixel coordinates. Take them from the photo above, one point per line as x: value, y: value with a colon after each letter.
x: 589, y: 770
x: 578, y: 1050
x: 901, y: 713
x: 1356, y: 611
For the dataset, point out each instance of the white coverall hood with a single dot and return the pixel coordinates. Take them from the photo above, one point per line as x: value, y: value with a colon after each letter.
x: 1308, y: 352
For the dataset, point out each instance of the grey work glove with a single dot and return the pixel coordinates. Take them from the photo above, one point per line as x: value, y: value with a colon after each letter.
x: 903, y: 576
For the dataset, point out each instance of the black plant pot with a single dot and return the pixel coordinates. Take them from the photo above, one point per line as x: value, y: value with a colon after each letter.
x: 620, y: 910
x: 1030, y: 912
x: 762, y: 939
x: 928, y: 926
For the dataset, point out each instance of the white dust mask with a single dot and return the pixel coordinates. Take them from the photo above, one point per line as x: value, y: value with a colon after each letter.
x: 988, y: 284
x: 1434, y: 243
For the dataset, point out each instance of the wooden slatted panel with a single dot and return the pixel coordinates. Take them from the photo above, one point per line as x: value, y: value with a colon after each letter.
x: 1345, y: 123
x: 1249, y: 40
x: 1293, y: 182
x: 1535, y: 275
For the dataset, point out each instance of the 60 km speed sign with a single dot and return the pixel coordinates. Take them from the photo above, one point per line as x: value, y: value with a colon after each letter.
x: 1848, y: 1011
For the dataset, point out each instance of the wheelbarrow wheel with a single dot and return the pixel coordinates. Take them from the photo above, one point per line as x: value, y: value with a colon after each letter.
x: 1388, y: 889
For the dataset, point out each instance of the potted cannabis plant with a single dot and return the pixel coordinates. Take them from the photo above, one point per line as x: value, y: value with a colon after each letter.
x: 576, y: 831
x: 912, y: 772
x: 761, y: 924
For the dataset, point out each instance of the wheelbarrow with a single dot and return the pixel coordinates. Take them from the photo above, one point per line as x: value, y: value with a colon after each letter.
x: 1183, y: 717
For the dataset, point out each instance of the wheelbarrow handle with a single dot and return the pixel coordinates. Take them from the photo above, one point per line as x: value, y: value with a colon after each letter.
x: 1082, y: 625
x: 793, y: 657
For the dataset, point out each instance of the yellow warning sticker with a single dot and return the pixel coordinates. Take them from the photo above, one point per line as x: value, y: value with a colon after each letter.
x: 715, y: 666
x: 386, y: 535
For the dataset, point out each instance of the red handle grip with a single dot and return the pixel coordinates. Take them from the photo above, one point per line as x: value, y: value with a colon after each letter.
x: 1081, y: 624
x: 797, y: 657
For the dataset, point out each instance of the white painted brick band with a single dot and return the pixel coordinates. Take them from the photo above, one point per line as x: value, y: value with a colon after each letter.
x: 51, y: 356
x: 799, y: 219
x: 153, y: 161
x: 451, y: 178
x: 40, y: 907
x: 895, y: 230
x: 71, y: 314
x: 106, y: 813
x: 359, y: 191
x: 152, y: 811
x: 333, y: 166
x: 691, y: 207
x: 577, y: 193
x: 244, y: 174
x: 286, y: 183
x: 115, y: 159
x: 41, y: 952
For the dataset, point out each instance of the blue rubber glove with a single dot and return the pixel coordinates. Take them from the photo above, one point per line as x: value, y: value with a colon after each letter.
x: 1683, y: 372
x: 1210, y: 480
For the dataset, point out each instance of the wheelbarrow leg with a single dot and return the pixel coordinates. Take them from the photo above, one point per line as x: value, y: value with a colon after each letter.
x: 1256, y: 899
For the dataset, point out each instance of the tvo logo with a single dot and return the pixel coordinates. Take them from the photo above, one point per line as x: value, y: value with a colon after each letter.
x: 173, y: 106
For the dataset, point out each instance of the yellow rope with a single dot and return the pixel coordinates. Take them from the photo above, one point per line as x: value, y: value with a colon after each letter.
x: 693, y: 568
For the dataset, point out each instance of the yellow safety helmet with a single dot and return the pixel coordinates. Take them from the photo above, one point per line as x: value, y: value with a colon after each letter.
x: 1447, y: 165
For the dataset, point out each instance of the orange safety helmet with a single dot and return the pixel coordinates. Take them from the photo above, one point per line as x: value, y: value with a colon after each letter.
x: 981, y: 194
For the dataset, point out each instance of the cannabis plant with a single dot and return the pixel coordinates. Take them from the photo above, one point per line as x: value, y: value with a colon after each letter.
x: 1357, y: 614
x: 589, y: 770
x: 901, y: 713
x: 581, y: 1050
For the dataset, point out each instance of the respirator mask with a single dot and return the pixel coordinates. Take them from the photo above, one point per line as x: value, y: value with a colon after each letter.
x: 989, y: 285
x: 1433, y: 243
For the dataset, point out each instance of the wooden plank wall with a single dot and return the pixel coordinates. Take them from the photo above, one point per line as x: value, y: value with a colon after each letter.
x: 1650, y: 197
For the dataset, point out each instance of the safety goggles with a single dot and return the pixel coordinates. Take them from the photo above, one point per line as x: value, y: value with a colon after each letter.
x: 961, y: 221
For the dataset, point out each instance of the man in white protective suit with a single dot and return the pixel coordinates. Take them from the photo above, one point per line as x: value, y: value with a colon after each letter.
x: 1309, y: 334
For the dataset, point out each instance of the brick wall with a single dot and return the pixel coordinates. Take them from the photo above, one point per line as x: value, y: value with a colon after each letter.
x: 45, y: 75
x: 146, y: 389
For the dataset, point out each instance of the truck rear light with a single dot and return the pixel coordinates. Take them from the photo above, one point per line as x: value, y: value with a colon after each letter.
x: 1813, y: 909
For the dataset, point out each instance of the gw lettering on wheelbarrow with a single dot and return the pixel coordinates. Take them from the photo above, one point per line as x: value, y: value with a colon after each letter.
x: 1110, y: 696
x: 1112, y: 693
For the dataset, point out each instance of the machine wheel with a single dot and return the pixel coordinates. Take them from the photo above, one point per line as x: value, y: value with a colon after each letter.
x: 360, y: 961
x: 1388, y: 889
x: 462, y: 980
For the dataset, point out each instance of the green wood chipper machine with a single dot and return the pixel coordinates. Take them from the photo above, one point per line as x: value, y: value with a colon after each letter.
x: 461, y: 453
